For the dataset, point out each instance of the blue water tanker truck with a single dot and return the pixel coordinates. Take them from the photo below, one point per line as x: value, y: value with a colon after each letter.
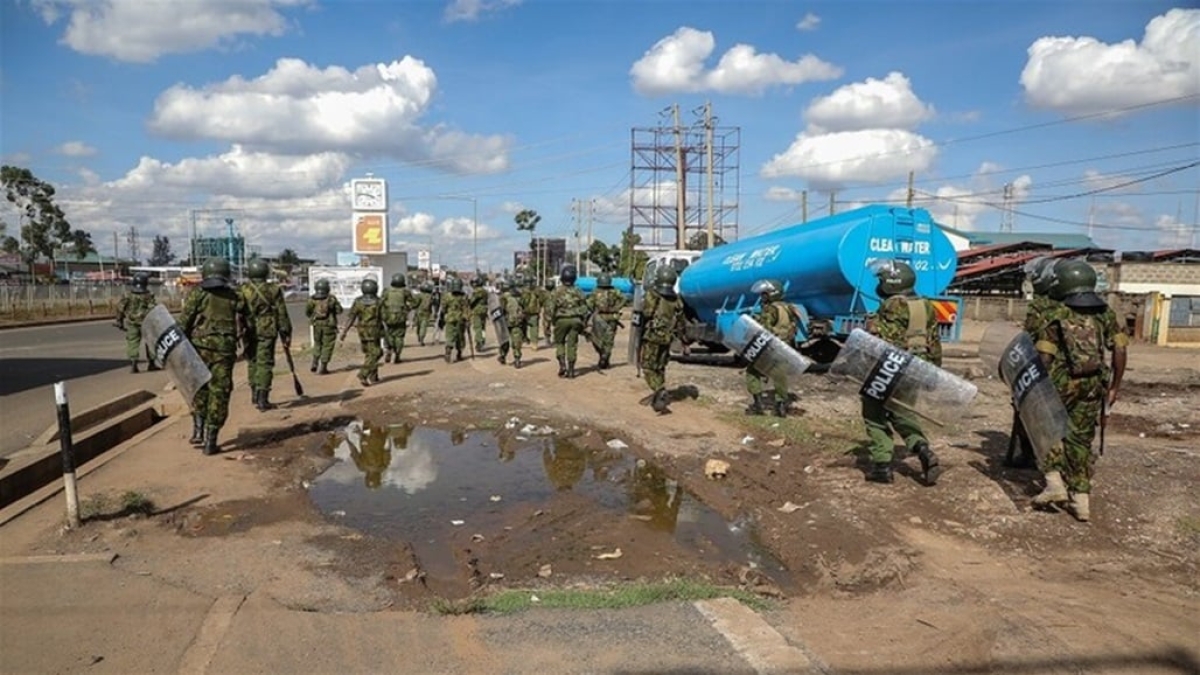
x: 826, y: 267
x: 587, y: 284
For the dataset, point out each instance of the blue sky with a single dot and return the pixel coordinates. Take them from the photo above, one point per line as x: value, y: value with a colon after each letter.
x: 143, y: 112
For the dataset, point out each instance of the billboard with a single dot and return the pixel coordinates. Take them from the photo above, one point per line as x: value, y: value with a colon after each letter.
x: 370, y: 233
x: 422, y: 259
x: 345, y: 282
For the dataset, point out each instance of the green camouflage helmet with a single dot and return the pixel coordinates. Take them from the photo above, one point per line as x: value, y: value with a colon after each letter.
x: 1040, y: 272
x: 896, y: 277
x: 322, y: 289
x: 216, y: 269
x: 549, y: 285
x: 455, y: 285
x: 1071, y: 277
x: 768, y: 287
x: 398, y: 280
x: 604, y: 280
x: 664, y: 280
x: 568, y: 275
x: 370, y: 287
x: 258, y: 269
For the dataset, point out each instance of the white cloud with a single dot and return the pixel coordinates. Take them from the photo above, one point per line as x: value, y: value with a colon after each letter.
x: 963, y: 206
x: 75, y: 149
x: 239, y: 173
x: 809, y: 22
x: 676, y: 64
x: 298, y: 108
x: 140, y: 31
x: 831, y: 160
x: 16, y: 158
x: 778, y: 193
x: 1171, y: 233
x: 1079, y: 75
x: 470, y: 10
x: 872, y: 104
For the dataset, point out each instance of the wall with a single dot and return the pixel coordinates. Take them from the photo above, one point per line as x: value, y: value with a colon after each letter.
x: 1167, y: 278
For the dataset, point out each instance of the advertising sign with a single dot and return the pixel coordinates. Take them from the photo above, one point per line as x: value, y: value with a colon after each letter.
x: 422, y: 260
x: 345, y: 283
x: 370, y: 233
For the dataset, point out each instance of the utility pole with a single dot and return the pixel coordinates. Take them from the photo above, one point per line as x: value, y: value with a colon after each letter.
x: 804, y: 206
x: 591, y: 213
x: 1007, y: 224
x: 576, y: 217
x: 1091, y: 218
x: 680, y: 184
x: 831, y: 196
x: 909, y: 201
x: 708, y: 144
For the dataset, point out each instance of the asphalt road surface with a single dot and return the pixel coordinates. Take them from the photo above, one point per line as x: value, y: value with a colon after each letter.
x: 89, y: 357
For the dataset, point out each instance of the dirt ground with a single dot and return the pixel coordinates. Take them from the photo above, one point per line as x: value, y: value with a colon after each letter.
x: 906, y: 575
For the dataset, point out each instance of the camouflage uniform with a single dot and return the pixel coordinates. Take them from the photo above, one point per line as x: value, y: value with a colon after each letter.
x: 366, y: 313
x: 1073, y: 337
x: 268, y: 320
x: 374, y: 457
x: 895, y: 323
x: 455, y: 315
x: 570, y: 307
x: 131, y: 312
x: 514, y: 315
x: 546, y: 294
x: 776, y: 317
x: 397, y: 303
x: 424, y: 313
x: 565, y: 463
x: 322, y: 315
x: 662, y: 321
x: 532, y: 298
x: 605, y: 304
x: 479, y: 305
x: 1040, y: 307
x: 212, y: 319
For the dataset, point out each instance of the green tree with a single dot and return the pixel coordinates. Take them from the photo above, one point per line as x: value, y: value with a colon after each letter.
x: 699, y: 241
x: 604, y: 256
x: 45, y: 231
x: 633, y: 262
x: 162, y: 254
x: 527, y: 220
x: 287, y: 260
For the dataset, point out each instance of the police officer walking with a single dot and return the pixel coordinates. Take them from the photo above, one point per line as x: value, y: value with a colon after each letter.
x: 455, y: 317
x: 1072, y: 339
x: 366, y: 314
x: 514, y: 314
x: 1039, y: 273
x: 214, y: 317
x: 605, y: 305
x: 909, y: 323
x: 322, y: 311
x: 268, y: 319
x: 662, y: 322
x: 569, y: 306
x: 131, y: 312
x: 780, y: 318
x: 397, y: 303
x: 424, y: 311
x: 479, y: 306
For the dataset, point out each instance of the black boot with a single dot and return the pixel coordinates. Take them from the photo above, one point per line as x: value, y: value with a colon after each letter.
x: 210, y: 441
x: 264, y: 400
x: 757, y: 405
x: 930, y: 469
x: 387, y: 358
x: 197, y: 439
x: 315, y: 364
x: 517, y: 363
x: 324, y: 369
x: 133, y: 366
x: 781, y: 407
x: 503, y: 358
x: 881, y: 472
x: 659, y: 404
x: 375, y: 377
x: 562, y: 366
x: 570, y: 370
x: 604, y: 362
x: 457, y: 355
x: 151, y: 366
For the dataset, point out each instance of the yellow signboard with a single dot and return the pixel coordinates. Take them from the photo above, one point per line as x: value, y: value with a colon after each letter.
x: 370, y: 233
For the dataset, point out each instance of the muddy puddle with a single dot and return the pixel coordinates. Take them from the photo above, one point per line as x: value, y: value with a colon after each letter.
x: 524, y: 502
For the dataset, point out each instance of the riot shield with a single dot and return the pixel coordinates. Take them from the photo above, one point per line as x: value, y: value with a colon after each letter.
x: 174, y: 352
x: 1034, y: 396
x: 899, y: 380
x: 635, y: 323
x: 601, y: 330
x: 762, y: 349
x: 499, y: 319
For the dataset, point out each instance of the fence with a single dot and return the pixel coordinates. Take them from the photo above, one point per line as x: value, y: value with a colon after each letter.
x: 34, y: 302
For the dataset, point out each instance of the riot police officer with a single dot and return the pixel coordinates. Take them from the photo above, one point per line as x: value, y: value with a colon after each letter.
x: 268, y: 320
x: 780, y: 318
x: 322, y: 311
x: 605, y: 304
x: 398, y: 301
x: 662, y: 321
x: 366, y: 314
x: 131, y: 312
x: 569, y: 308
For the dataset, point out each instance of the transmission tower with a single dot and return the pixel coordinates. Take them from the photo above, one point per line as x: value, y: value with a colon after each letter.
x: 1006, y: 225
x: 133, y: 245
x: 684, y: 180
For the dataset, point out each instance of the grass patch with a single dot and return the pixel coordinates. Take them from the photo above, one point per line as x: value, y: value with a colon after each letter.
x: 105, y: 506
x: 620, y: 597
x: 1189, y: 526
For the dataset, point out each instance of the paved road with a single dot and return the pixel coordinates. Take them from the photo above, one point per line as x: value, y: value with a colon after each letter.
x: 89, y: 356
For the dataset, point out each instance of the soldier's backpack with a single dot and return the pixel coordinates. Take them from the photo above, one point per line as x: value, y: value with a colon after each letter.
x: 395, y: 307
x: 321, y: 309
x: 1080, y: 341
